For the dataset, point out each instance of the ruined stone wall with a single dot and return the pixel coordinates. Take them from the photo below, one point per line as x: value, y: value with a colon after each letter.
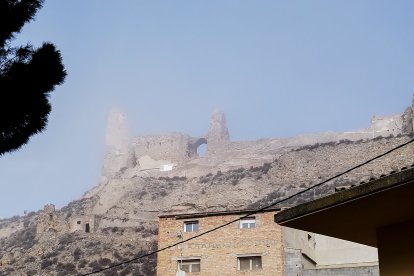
x: 48, y: 221
x: 178, y: 147
x: 218, y: 137
x: 84, y: 223
x: 117, y: 143
x: 174, y: 147
x: 387, y: 125
x: 152, y: 152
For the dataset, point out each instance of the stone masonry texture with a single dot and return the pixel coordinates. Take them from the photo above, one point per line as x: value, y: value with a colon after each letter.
x: 218, y: 251
x: 233, y: 175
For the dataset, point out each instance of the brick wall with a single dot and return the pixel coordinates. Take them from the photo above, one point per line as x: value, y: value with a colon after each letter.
x: 218, y: 251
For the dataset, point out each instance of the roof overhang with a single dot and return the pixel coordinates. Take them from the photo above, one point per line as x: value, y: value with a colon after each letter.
x: 216, y: 213
x: 356, y: 213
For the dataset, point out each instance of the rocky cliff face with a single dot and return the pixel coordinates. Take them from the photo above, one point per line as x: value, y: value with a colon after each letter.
x: 117, y: 220
x: 127, y: 226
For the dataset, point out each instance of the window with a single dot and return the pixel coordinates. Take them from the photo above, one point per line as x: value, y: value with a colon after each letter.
x: 249, y: 263
x: 248, y: 223
x: 191, y: 226
x: 192, y: 265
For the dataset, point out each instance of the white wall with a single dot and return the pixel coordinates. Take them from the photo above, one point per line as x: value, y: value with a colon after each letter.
x: 331, y: 251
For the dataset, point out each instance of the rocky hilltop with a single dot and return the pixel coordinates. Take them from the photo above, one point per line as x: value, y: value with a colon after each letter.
x: 158, y: 174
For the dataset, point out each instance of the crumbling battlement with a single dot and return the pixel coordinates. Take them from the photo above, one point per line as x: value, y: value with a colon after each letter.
x: 176, y: 147
x: 48, y: 220
x: 117, y: 143
x: 155, y: 152
x: 179, y: 148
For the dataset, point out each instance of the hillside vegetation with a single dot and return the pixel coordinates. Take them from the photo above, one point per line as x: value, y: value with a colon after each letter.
x: 128, y: 225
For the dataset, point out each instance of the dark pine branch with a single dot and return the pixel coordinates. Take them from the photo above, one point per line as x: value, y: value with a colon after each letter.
x: 27, y: 76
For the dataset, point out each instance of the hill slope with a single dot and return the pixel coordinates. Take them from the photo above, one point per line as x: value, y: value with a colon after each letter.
x: 123, y: 209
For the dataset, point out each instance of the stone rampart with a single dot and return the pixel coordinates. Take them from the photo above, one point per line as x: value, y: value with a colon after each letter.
x: 175, y: 147
x: 387, y: 125
x: 151, y: 153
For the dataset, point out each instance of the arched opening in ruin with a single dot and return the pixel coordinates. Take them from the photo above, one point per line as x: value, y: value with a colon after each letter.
x: 197, y: 147
x: 201, y: 150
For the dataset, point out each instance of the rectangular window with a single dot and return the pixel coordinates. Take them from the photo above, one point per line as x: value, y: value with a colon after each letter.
x: 191, y: 226
x: 249, y: 263
x: 248, y: 223
x: 192, y: 265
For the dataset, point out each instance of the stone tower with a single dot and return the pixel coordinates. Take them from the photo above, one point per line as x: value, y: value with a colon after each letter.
x: 408, y: 119
x: 116, y: 142
x: 218, y: 137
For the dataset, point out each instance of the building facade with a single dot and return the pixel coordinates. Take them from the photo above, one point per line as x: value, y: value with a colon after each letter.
x: 251, y: 246
x: 379, y: 213
x: 254, y: 245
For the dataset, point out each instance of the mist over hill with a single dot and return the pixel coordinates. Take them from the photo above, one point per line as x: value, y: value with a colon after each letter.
x: 152, y: 175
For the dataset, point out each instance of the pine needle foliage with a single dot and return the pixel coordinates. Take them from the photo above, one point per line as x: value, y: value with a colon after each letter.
x: 27, y: 77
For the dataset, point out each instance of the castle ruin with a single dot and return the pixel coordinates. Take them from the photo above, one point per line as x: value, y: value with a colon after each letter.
x: 172, y: 151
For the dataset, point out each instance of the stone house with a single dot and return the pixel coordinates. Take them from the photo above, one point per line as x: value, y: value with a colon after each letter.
x: 82, y: 223
x: 254, y: 245
x: 250, y: 246
x: 51, y: 221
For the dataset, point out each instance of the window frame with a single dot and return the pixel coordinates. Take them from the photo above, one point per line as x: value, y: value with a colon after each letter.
x: 249, y: 221
x: 192, y: 223
x: 190, y: 263
x: 250, y: 258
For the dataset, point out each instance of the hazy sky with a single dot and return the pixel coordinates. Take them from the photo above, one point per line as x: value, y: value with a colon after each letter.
x: 277, y: 68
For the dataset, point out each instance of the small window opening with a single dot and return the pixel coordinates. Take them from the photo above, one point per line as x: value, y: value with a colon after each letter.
x: 192, y: 265
x: 249, y: 222
x: 249, y: 263
x: 191, y: 226
x: 87, y: 230
x: 50, y: 216
x: 78, y: 222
